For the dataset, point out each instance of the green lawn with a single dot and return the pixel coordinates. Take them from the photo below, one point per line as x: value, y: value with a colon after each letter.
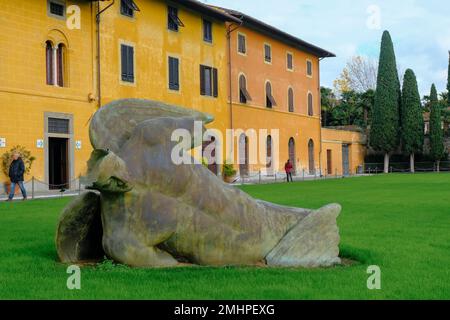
x: 398, y: 222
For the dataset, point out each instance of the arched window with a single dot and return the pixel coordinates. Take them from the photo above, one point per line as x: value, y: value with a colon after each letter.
x: 310, y: 105
x: 55, y: 64
x: 60, y: 65
x: 312, y: 168
x: 243, y: 155
x: 291, y: 148
x: 269, y: 152
x: 270, y: 101
x: 244, y: 96
x: 291, y: 100
x: 49, y: 63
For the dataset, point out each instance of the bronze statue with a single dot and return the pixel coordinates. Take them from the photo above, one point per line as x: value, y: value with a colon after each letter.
x: 148, y: 212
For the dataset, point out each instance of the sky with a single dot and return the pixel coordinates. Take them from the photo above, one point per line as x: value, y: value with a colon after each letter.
x: 420, y: 30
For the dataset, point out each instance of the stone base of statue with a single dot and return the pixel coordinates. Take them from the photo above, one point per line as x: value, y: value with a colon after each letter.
x: 148, y: 212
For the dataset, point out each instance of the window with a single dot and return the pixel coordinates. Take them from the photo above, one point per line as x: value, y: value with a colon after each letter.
x: 56, y: 125
x: 127, y: 8
x: 208, y: 81
x: 291, y: 100
x: 56, y: 8
x: 55, y: 64
x: 267, y: 53
x: 49, y: 63
x: 309, y: 68
x: 207, y: 31
x: 242, y: 45
x: 310, y: 105
x: 60, y: 53
x: 173, y: 20
x: 244, y: 96
x: 270, y: 100
x: 290, y: 61
x: 174, y: 74
x: 127, y: 63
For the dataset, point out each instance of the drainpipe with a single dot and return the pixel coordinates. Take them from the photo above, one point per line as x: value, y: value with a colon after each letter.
x: 230, y: 82
x: 97, y: 20
x: 320, y: 122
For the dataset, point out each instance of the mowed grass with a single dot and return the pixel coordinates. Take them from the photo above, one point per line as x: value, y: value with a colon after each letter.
x: 399, y: 222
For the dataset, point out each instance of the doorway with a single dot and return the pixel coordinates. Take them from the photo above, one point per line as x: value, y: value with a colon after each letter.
x: 345, y: 160
x: 329, y: 162
x: 58, y: 161
x: 291, y: 151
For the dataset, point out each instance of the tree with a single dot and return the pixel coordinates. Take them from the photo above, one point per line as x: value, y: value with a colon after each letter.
x: 359, y: 75
x: 384, y: 132
x: 436, y: 135
x: 412, y: 117
x: 448, y: 80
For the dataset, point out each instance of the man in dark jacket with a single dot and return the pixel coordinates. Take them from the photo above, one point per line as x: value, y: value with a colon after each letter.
x: 16, y: 171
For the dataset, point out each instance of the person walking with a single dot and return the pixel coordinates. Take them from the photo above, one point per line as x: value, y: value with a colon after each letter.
x: 16, y: 171
x: 288, y: 169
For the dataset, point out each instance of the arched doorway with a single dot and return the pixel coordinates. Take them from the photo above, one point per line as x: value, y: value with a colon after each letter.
x: 269, y: 162
x: 243, y: 155
x: 292, y: 154
x: 312, y: 167
x: 210, y: 156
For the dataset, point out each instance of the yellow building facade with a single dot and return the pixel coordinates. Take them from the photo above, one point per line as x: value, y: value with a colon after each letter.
x: 48, y: 114
x: 61, y: 60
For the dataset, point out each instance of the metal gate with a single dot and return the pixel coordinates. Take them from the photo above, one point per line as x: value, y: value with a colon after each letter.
x: 345, y: 159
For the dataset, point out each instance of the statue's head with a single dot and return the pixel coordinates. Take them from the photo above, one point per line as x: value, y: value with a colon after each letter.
x: 107, y: 173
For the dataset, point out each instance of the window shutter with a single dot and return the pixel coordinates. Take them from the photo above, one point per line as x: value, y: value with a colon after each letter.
x: 202, y: 80
x: 124, y: 62
x: 215, y: 83
x: 176, y: 74
x: 170, y: 73
x: 130, y: 64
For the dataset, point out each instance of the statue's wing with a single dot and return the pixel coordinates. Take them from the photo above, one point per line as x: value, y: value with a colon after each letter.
x: 113, y: 124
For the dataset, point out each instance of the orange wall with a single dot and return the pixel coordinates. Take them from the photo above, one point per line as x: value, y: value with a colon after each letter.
x: 257, y: 71
x: 333, y: 140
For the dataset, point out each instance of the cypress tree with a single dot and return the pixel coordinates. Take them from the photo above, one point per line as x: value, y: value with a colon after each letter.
x: 448, y: 80
x: 384, y: 133
x: 436, y: 134
x: 412, y: 117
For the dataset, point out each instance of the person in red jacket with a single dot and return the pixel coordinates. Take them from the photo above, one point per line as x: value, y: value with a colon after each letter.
x: 288, y: 169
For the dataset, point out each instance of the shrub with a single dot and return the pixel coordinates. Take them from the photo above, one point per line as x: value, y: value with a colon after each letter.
x: 228, y: 170
x: 26, y: 156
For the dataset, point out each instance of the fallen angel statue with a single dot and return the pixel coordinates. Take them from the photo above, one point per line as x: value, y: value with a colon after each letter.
x: 146, y: 211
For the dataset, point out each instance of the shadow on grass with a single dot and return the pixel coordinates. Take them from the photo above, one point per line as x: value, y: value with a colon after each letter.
x: 357, y: 255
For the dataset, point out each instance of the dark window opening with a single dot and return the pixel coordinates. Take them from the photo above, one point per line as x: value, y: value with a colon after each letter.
x: 290, y: 61
x: 127, y: 8
x: 173, y: 20
x: 57, y: 9
x: 267, y: 53
x: 244, y: 96
x: 209, y: 81
x: 310, y: 105
x: 56, y: 125
x: 49, y: 62
x: 174, y: 74
x: 242, y: 46
x: 270, y: 100
x: 207, y: 31
x: 127, y: 62
x: 291, y: 100
x: 309, y: 70
x: 60, y: 52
